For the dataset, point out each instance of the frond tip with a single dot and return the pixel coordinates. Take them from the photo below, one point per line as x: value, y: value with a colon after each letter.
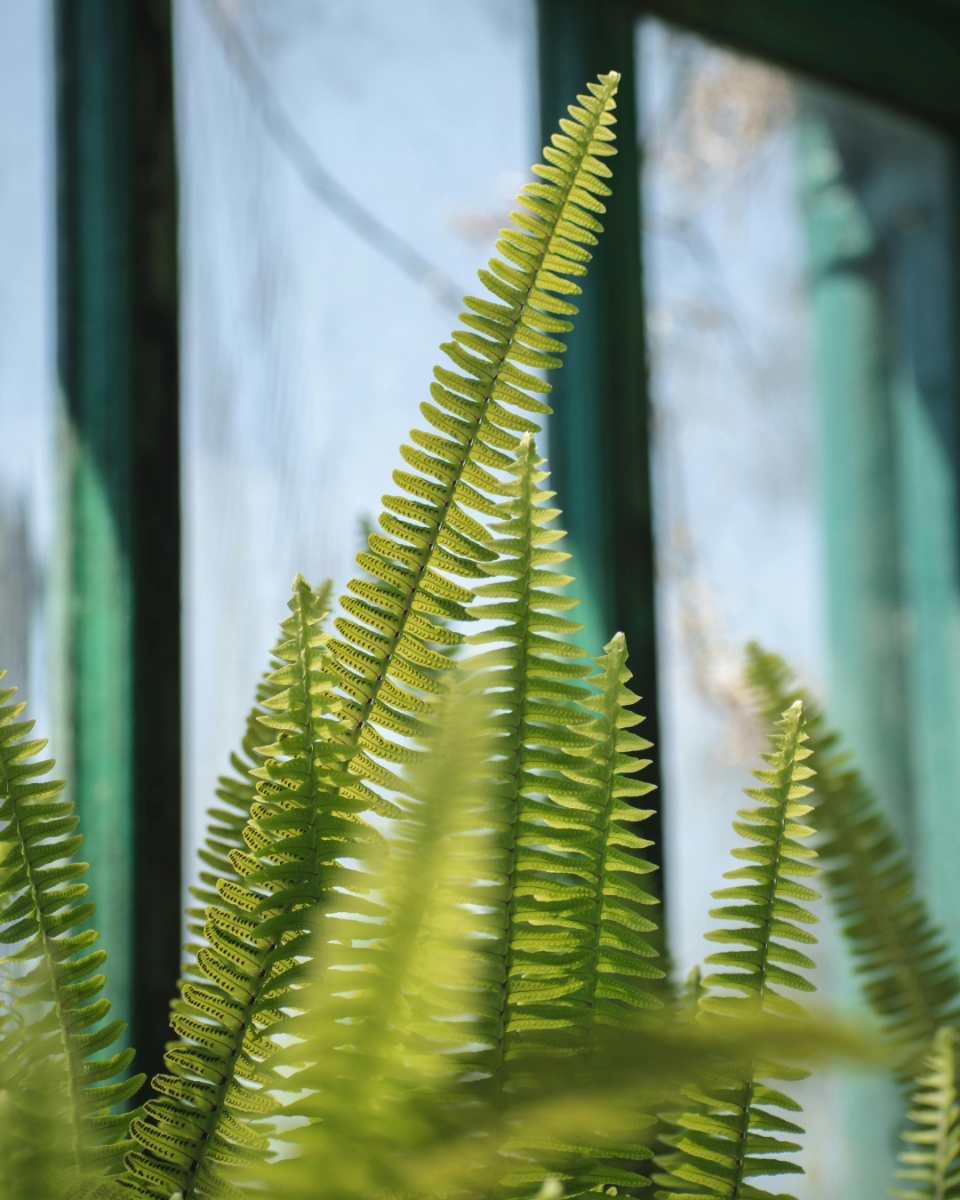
x: 384, y: 658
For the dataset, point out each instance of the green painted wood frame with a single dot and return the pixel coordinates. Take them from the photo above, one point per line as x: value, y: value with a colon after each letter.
x: 118, y: 369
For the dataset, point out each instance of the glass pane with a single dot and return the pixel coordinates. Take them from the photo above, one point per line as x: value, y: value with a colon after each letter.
x: 798, y: 269
x: 27, y: 352
x: 306, y: 348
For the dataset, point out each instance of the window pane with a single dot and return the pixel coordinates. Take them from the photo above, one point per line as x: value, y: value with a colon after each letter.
x: 798, y: 269
x: 27, y: 362
x: 306, y: 350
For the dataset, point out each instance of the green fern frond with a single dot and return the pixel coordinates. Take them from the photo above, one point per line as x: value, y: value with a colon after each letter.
x: 531, y: 672
x: 199, y: 1129
x: 619, y: 951
x: 932, y: 1164
x: 384, y: 661
x: 570, y: 934
x: 687, y: 1003
x: 43, y: 904
x: 909, y: 976
x: 225, y: 826
x: 718, y: 1148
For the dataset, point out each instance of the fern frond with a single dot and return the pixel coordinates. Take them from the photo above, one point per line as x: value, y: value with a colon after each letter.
x: 932, y: 1164
x: 585, y: 836
x: 238, y: 792
x: 384, y: 661
x: 718, y: 1149
x: 43, y: 904
x: 570, y: 934
x: 909, y: 976
x: 531, y: 673
x: 199, y: 1129
x: 619, y: 952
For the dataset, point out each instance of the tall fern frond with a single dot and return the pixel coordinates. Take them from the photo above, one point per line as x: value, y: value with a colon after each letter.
x: 570, y: 951
x: 384, y: 663
x: 718, y: 1149
x: 530, y: 673
x: 932, y: 1164
x: 199, y: 1130
x: 577, y: 958
x: 225, y: 826
x: 43, y: 903
x: 619, y: 952
x: 909, y: 976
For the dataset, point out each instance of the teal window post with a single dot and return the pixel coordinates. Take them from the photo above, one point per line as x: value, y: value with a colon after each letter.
x: 598, y: 435
x: 118, y: 369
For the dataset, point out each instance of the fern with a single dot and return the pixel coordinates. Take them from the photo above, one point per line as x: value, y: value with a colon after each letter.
x: 43, y: 896
x: 298, y: 825
x: 909, y: 976
x: 718, y: 1149
x: 225, y: 826
x: 932, y: 1164
x: 618, y: 949
x: 586, y: 949
x: 383, y: 662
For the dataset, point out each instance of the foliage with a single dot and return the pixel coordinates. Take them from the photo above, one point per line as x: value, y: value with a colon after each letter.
x: 383, y: 662
x: 423, y: 962
x: 718, y: 1148
x: 908, y: 975
x: 932, y: 1162
x: 55, y: 981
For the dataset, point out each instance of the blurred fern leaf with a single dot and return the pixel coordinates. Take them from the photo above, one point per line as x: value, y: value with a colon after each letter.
x: 909, y: 976
x: 932, y: 1162
x: 43, y: 903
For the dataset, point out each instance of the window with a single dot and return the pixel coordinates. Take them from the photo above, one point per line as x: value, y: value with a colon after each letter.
x: 755, y: 433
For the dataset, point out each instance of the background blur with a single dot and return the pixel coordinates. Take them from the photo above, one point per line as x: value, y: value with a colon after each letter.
x: 232, y: 234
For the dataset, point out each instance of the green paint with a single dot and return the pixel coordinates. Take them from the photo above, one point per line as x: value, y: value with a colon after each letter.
x: 864, y: 607
x: 95, y: 318
x: 903, y: 52
x: 928, y: 517
x: 119, y: 508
